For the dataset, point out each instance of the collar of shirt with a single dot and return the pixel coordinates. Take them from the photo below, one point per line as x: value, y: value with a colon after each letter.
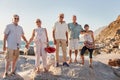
x: 75, y: 23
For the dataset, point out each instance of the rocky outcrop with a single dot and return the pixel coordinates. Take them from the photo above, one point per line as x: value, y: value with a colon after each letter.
x: 110, y: 32
x: 15, y: 77
x: 109, y: 37
x: 100, y: 71
x: 117, y: 72
x: 114, y: 62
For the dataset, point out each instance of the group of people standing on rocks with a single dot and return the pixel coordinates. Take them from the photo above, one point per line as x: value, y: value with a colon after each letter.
x: 14, y: 32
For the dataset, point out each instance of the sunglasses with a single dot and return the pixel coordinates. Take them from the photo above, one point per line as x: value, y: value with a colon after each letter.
x: 16, y: 18
x: 61, y: 17
x: 37, y: 21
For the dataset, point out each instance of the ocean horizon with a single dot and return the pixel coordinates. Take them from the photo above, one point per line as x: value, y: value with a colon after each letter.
x: 23, y: 44
x: 32, y: 44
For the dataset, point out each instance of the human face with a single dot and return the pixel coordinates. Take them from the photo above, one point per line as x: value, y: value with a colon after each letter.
x: 38, y: 23
x: 15, y: 19
x: 86, y: 28
x: 74, y: 19
x: 61, y: 17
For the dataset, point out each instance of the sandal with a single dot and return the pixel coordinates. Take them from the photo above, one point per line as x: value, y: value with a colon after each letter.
x: 91, y: 66
x: 70, y: 61
x: 75, y: 61
x: 45, y: 70
x: 12, y: 73
x: 5, y: 75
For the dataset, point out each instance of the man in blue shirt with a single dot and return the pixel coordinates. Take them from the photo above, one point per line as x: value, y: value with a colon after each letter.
x: 74, y: 31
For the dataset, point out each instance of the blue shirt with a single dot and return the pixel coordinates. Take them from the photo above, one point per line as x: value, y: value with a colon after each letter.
x: 74, y: 30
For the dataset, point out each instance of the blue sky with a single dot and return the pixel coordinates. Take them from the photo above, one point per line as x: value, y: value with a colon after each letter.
x: 96, y: 13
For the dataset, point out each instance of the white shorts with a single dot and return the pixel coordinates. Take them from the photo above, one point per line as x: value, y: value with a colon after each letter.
x: 74, y: 44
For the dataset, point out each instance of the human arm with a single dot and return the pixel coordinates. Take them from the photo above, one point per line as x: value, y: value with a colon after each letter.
x: 53, y: 32
x: 6, y: 33
x: 32, y: 37
x: 24, y: 38
x: 66, y: 37
x: 47, y: 37
x: 92, y: 34
x: 67, y: 29
x: 82, y: 31
x: 4, y: 42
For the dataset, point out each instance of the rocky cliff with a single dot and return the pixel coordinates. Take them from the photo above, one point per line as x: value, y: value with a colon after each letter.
x: 112, y: 31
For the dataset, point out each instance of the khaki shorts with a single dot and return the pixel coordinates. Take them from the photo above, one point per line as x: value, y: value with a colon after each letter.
x: 12, y: 54
x: 74, y: 44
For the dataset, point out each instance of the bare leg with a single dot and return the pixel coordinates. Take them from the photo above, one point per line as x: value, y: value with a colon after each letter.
x: 82, y: 57
x: 45, y: 70
x: 7, y: 63
x: 90, y: 62
x: 70, y: 53
x: 13, y: 65
x: 38, y: 70
x: 76, y: 53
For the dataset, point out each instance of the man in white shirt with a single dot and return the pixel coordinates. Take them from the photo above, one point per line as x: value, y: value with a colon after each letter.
x: 60, y: 36
x: 12, y: 35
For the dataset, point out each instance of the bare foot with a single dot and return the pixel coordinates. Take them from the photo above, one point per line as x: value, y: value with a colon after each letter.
x: 91, y: 66
x: 37, y: 70
x: 45, y: 70
x: 12, y: 73
x: 5, y: 75
x: 70, y: 61
x: 75, y: 61
x: 82, y: 64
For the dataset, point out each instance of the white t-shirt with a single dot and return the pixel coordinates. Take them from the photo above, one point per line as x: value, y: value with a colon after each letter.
x: 14, y: 34
x: 60, y: 30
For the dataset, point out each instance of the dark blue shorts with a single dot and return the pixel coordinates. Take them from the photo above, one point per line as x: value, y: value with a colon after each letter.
x: 84, y: 49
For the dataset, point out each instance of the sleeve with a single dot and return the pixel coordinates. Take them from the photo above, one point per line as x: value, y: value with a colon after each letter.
x: 81, y: 29
x: 54, y: 27
x: 7, y: 30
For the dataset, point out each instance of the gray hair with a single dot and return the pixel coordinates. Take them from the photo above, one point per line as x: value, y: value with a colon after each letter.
x: 38, y: 20
x: 15, y: 15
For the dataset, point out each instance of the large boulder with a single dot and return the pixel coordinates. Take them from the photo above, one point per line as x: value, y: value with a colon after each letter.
x: 114, y: 62
x: 15, y: 77
x: 99, y: 71
x: 31, y: 51
x: 117, y: 71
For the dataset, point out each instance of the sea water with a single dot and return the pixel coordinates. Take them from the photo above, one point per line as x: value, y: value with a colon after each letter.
x: 32, y: 44
x: 23, y: 44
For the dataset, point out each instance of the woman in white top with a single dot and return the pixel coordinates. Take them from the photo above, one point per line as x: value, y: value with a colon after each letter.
x: 40, y: 38
x: 88, y: 43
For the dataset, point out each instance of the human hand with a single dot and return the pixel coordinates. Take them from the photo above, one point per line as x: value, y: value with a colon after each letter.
x: 27, y: 45
x: 47, y: 44
x: 4, y: 48
x: 54, y: 42
x: 67, y: 42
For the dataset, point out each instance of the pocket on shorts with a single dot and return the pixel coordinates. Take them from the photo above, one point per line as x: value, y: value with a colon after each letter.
x: 16, y: 53
x: 9, y: 55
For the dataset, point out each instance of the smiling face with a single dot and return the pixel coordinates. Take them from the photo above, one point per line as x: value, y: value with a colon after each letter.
x: 86, y: 27
x: 38, y: 23
x: 74, y: 19
x: 15, y: 19
x: 61, y: 17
